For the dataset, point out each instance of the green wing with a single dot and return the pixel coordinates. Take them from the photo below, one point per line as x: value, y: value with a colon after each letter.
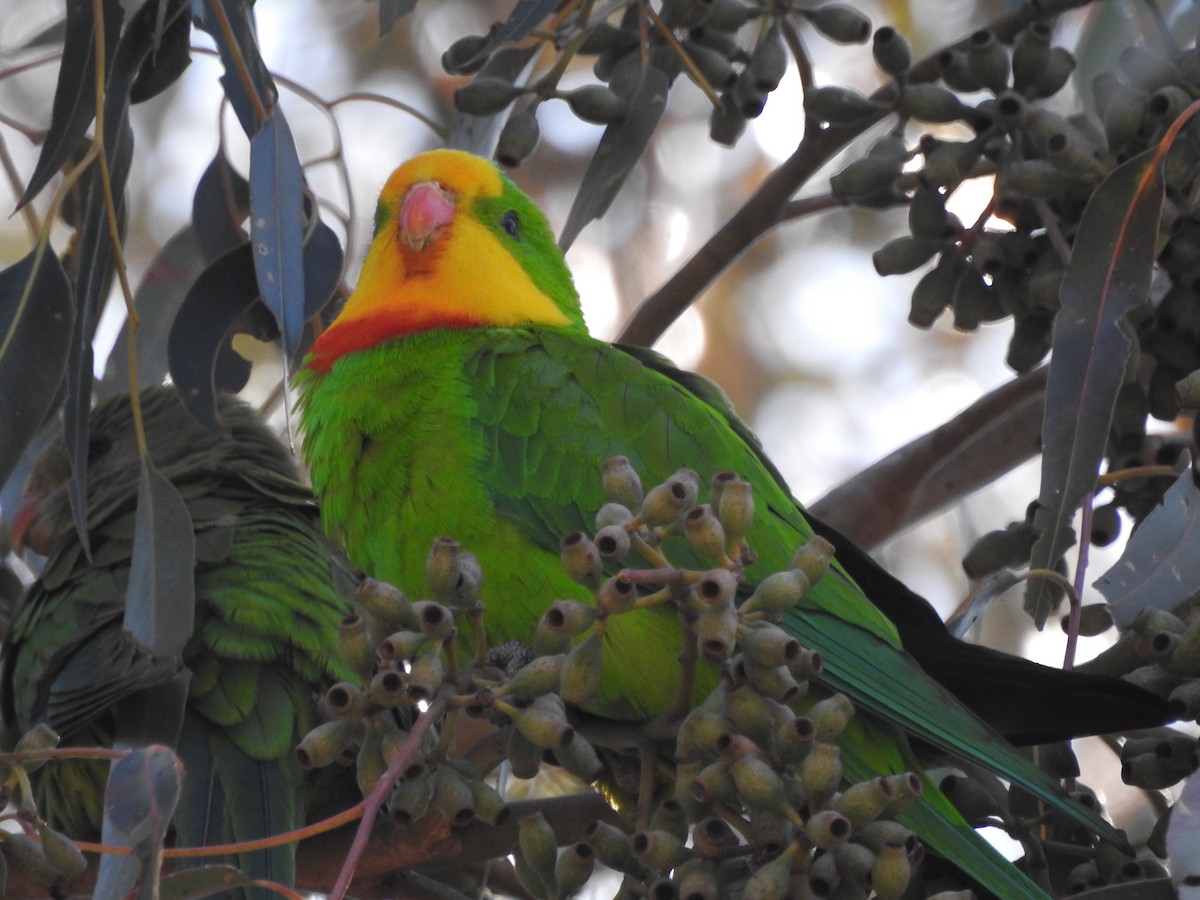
x: 265, y: 634
x: 553, y: 405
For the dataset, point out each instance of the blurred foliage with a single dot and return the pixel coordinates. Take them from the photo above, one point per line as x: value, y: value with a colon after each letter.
x: 1073, y: 117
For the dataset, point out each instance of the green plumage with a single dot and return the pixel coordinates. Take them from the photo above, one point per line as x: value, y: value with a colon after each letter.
x: 495, y: 436
x: 264, y: 642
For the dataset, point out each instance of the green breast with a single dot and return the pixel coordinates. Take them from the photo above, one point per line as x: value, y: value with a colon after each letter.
x: 397, y: 453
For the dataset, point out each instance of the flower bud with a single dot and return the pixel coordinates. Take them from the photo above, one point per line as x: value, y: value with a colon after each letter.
x: 545, y: 722
x: 773, y: 880
x: 1185, y: 660
x: 519, y: 138
x: 61, y: 852
x: 539, y: 847
x: 484, y: 96
x: 612, y: 846
x: 987, y: 61
x: 583, y: 670
x: 713, y: 784
x: 904, y: 254
x: 891, y: 51
x: 596, y: 104
x: 714, y: 66
x: 927, y: 217
x: 613, y: 543
x: 611, y: 514
x: 1059, y: 66
x: 935, y: 290
x: 580, y: 559
x: 369, y: 764
x: 1030, y: 55
x: 953, y: 70
x: 659, y: 850
x: 489, y: 806
x: 891, y: 872
x: 539, y: 676
x: 948, y: 163
x: 355, y: 646
x: 864, y: 178
x: 839, y: 22
x: 727, y: 121
x: 778, y: 592
x: 865, y: 801
x: 830, y: 717
x: 931, y: 103
x: 697, y: 880
x: 30, y: 855
x: 621, y: 483
x: 733, y: 501
x: 669, y: 816
x: 827, y: 828
x: 716, y: 632
x: 453, y: 574
x: 794, y: 738
x: 839, y: 106
x: 874, y: 835
x: 524, y: 756
x: 401, y: 645
x: 616, y: 595
x: 465, y: 56
x: 821, y: 769
x: 1123, y: 114
x: 704, y: 532
x: 452, y: 795
x: 435, y: 621
x: 385, y: 602
x: 324, y: 744
x: 346, y: 701
x: 668, y: 501
x: 580, y: 759
x: 767, y: 644
x: 573, y: 868
x: 769, y: 61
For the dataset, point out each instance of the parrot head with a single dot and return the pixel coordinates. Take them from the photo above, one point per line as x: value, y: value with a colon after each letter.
x: 456, y: 245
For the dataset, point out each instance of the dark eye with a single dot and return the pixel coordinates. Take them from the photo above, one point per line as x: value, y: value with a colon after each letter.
x: 511, y: 225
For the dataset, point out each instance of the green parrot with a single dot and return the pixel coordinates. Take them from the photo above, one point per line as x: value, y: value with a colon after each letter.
x: 459, y: 393
x: 265, y: 636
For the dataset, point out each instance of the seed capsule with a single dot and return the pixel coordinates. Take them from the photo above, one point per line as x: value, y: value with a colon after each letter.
x: 519, y: 138
x: 839, y: 22
x: 891, y: 51
x: 583, y: 670
x: 484, y: 96
x: 621, y: 482
x: 596, y: 104
x: 539, y: 847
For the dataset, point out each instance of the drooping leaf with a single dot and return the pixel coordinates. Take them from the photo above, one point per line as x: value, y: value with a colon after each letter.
x: 391, y: 12
x: 36, y: 313
x: 168, y: 60
x: 981, y: 598
x: 480, y: 134
x: 323, y: 259
x: 219, y: 298
x: 240, y: 57
x: 95, y: 262
x: 143, y: 789
x: 526, y: 16
x: 618, y: 152
x: 157, y: 301
x: 74, y: 104
x: 161, y: 600
x: 276, y: 225
x: 1108, y: 275
x: 1160, y: 567
x: 219, y: 206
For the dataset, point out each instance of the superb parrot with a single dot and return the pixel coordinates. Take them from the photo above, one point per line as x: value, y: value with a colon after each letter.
x: 459, y: 393
x: 265, y: 636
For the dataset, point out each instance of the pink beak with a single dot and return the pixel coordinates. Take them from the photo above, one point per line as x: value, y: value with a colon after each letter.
x: 427, y: 207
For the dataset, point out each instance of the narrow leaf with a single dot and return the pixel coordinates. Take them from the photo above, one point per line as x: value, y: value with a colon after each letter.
x: 1160, y: 567
x: 219, y: 206
x: 203, y: 881
x: 95, y: 263
x: 276, y: 225
x: 322, y: 268
x: 241, y: 26
x: 1108, y: 275
x: 143, y: 789
x: 161, y: 600
x: 171, y: 55
x: 218, y: 299
x: 618, y: 152
x: 157, y: 301
x: 36, y: 313
x: 526, y: 16
x: 74, y: 104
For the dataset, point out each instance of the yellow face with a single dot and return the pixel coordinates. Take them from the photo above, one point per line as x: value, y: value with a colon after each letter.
x: 467, y: 272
